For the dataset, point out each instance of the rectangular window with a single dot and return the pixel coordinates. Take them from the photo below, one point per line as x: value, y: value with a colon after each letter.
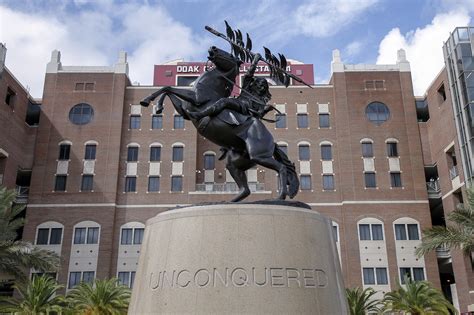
x: 90, y: 152
x: 138, y: 236
x: 93, y: 235
x: 80, y: 235
x: 10, y: 97
x: 60, y: 184
x: 324, y: 121
x: 74, y: 279
x: 89, y: 87
x: 178, y: 154
x: 305, y: 182
x: 124, y: 278
x: 392, y: 149
x: 126, y: 237
x: 157, y: 122
x: 55, y: 238
x: 367, y: 149
x: 400, y: 232
x: 370, y: 180
x: 328, y: 182
x: 42, y: 238
x: 176, y: 183
x: 334, y: 230
x: 381, y: 274
x: 404, y: 272
x: 153, y: 183
x: 413, y: 232
x: 88, y: 276
x: 87, y: 183
x: 364, y: 232
x: 155, y: 154
x: 64, y: 151
x: 377, y: 232
x: 396, y: 179
x: 178, y: 122
x: 130, y: 184
x: 326, y: 152
x: 280, y: 121
x: 132, y: 154
x: 209, y: 161
x: 418, y: 274
x: 79, y: 86
x: 369, y: 276
x: 304, y: 154
x: 302, y: 120
x: 134, y: 122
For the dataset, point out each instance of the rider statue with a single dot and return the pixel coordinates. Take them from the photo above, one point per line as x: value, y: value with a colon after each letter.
x: 235, y: 123
x: 251, y: 102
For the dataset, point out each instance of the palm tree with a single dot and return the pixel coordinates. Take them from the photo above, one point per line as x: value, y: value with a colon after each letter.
x: 419, y: 298
x: 103, y: 297
x: 360, y: 301
x: 458, y: 234
x: 17, y: 256
x: 37, y: 297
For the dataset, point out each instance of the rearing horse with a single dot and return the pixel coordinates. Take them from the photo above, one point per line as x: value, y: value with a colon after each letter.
x: 246, y: 138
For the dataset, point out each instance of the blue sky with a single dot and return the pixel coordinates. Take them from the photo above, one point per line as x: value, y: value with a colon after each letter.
x: 92, y: 32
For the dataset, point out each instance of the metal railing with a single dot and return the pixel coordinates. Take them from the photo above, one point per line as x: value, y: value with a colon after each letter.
x: 22, y: 193
x: 453, y: 172
x: 433, y: 187
x: 443, y: 252
x: 228, y: 187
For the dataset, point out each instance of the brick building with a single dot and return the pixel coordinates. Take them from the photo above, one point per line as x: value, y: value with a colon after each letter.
x: 365, y: 148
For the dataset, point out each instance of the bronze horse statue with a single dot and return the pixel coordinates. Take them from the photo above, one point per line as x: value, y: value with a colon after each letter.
x: 246, y: 140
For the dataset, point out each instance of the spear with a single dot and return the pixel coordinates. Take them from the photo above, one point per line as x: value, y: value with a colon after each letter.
x: 238, y: 46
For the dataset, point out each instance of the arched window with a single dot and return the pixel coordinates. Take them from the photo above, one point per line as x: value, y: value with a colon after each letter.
x: 155, y: 152
x: 303, y: 151
x: 370, y: 229
x: 209, y: 161
x: 132, y: 233
x: 49, y: 233
x: 64, y: 150
x: 326, y: 150
x: 81, y: 114
x: 86, y: 232
x: 132, y: 152
x: 178, y: 153
x: 406, y: 229
x: 367, y: 148
x: 377, y: 112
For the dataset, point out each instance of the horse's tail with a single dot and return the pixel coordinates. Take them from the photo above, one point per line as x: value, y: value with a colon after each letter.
x: 293, y: 181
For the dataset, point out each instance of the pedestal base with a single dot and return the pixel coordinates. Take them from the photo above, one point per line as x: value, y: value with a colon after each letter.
x: 238, y: 258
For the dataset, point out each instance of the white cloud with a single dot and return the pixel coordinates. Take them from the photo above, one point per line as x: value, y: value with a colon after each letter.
x: 353, y: 48
x: 94, y: 37
x: 326, y: 18
x: 423, y: 47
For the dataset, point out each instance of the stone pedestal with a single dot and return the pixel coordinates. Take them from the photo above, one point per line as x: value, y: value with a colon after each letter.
x: 238, y: 258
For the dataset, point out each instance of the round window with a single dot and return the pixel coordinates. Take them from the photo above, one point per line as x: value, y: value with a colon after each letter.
x: 81, y: 114
x: 377, y: 112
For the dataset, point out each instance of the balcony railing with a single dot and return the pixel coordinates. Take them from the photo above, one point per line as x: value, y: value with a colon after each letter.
x: 22, y: 193
x: 443, y: 252
x: 228, y: 187
x: 453, y: 172
x: 434, y: 189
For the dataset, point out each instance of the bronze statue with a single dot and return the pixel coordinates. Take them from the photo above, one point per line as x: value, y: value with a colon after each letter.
x: 235, y: 123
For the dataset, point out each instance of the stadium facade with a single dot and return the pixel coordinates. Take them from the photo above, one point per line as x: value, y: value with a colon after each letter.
x: 93, y: 165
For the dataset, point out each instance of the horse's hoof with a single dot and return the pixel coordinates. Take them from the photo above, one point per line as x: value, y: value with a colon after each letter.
x: 244, y: 194
x: 145, y: 103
